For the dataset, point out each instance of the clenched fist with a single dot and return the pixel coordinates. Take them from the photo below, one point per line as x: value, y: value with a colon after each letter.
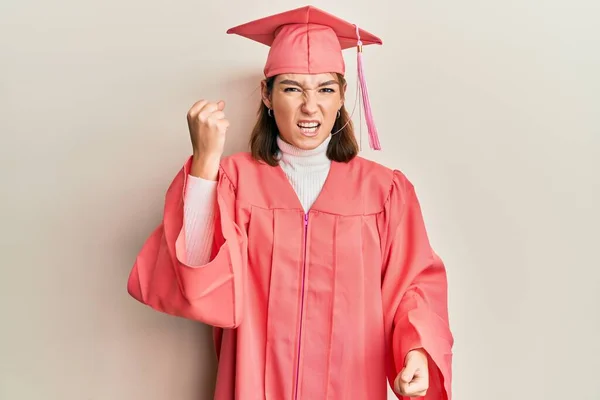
x: 208, y: 127
x: 413, y: 380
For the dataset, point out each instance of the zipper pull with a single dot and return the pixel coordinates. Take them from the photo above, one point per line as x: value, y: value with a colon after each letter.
x: 305, y: 219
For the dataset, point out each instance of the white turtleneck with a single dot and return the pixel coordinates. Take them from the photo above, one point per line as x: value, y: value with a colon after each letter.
x: 306, y: 171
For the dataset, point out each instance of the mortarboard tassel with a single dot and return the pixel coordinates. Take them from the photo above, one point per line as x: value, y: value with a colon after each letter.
x: 373, y: 137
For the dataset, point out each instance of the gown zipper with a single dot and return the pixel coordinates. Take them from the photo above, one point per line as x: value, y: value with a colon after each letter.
x: 301, y: 306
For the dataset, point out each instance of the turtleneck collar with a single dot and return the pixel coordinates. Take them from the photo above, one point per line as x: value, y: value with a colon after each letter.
x: 293, y: 155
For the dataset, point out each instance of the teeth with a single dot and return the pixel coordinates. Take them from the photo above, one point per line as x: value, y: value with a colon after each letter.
x: 308, y: 125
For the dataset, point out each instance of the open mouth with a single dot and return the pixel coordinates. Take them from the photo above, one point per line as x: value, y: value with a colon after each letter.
x: 309, y: 128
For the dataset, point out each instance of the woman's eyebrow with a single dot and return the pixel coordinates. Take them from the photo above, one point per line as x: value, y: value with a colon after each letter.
x: 289, y: 82
x: 332, y: 82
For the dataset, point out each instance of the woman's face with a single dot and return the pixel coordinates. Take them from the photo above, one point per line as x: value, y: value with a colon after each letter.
x: 305, y: 107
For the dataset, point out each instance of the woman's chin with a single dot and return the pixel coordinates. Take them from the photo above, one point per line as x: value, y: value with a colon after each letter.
x: 308, y: 141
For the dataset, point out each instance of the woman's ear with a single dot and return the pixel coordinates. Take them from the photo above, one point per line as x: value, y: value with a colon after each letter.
x: 343, y: 94
x: 266, y: 96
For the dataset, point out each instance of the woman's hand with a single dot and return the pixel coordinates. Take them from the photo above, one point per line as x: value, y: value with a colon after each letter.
x: 208, y: 127
x: 413, y: 380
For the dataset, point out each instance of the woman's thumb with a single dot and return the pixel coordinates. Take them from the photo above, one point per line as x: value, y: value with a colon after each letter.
x: 409, y: 371
x: 221, y: 105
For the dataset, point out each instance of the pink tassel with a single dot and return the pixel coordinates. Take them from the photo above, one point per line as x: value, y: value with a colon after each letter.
x: 373, y: 136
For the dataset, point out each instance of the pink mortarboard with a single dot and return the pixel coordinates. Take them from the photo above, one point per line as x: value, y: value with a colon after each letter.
x: 308, y: 40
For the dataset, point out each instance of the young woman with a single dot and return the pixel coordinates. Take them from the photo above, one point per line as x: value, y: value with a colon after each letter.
x: 312, y: 263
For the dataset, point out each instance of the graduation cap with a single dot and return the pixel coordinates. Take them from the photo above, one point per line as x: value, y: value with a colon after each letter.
x: 308, y: 40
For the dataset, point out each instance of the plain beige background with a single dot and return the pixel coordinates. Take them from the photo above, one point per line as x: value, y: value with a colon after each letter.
x: 491, y: 108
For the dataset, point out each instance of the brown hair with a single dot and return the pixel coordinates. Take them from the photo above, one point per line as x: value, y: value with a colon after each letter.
x: 263, y: 141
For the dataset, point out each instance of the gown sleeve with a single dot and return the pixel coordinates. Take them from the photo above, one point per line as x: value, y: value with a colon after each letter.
x: 211, y: 293
x: 414, y: 289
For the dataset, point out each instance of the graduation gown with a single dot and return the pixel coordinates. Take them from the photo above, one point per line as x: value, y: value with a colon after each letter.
x: 317, y: 305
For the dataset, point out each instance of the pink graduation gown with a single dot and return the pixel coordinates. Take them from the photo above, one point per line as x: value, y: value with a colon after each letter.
x: 316, y: 305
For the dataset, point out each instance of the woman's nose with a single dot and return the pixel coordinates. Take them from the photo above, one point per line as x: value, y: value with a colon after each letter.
x: 310, y: 106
